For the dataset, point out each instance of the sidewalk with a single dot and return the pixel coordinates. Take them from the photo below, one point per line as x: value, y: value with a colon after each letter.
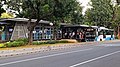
x: 29, y: 50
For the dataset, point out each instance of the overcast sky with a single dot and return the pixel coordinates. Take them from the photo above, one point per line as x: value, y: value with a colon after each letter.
x: 84, y: 4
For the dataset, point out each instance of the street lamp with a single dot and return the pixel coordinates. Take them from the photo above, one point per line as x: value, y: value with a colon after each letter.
x: 51, y: 24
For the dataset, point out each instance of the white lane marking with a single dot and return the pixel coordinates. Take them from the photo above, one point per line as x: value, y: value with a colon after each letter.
x: 107, y: 45
x: 91, y: 60
x: 44, y: 57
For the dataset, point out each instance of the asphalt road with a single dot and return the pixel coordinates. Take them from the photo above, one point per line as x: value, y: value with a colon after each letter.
x: 101, y: 55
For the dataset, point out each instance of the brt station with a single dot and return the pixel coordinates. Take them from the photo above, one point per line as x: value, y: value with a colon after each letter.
x: 79, y: 32
x: 15, y: 28
x: 86, y: 33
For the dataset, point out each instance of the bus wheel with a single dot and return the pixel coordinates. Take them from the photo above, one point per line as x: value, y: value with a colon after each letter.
x: 100, y: 39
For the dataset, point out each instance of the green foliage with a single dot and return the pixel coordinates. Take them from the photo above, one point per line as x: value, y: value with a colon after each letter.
x: 49, y: 42
x: 38, y: 43
x: 101, y: 13
x: 55, y: 11
x: 118, y: 1
x: 116, y: 37
x: 25, y: 40
x: 88, y: 23
x: 117, y: 14
x: 2, y: 45
x: 15, y: 44
x: 35, y: 9
x: 22, y: 42
x: 67, y: 11
x: 64, y: 41
x: 58, y: 10
x: 1, y: 9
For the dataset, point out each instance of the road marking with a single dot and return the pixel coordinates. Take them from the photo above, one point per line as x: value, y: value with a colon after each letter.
x: 95, y: 59
x: 44, y: 57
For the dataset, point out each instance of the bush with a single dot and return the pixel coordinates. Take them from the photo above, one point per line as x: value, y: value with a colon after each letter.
x: 116, y: 37
x: 63, y: 41
x: 38, y: 43
x: 47, y: 42
x: 2, y: 45
x: 15, y: 44
x: 25, y: 40
x: 57, y: 41
x: 51, y: 42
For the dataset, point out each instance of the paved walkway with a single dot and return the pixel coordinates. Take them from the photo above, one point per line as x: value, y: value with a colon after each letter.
x: 21, y: 51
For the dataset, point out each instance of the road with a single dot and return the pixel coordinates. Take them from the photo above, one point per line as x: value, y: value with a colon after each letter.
x: 100, y: 55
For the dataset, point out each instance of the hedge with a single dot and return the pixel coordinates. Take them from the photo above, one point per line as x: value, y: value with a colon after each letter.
x: 22, y: 42
x: 49, y: 42
x: 17, y: 43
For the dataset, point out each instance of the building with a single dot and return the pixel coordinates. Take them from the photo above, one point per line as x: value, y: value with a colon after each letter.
x: 15, y: 28
x: 78, y: 32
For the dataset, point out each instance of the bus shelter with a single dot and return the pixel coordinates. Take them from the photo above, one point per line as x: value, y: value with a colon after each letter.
x: 78, y: 32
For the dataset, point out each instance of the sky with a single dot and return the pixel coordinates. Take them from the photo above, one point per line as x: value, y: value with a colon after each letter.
x: 84, y: 4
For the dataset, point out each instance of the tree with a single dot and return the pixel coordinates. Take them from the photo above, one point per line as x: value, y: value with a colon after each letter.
x: 51, y: 10
x: 66, y: 11
x: 100, y: 13
x: 77, y: 17
x: 116, y: 20
x: 88, y: 18
x: 1, y: 9
x: 31, y: 9
x: 118, y: 2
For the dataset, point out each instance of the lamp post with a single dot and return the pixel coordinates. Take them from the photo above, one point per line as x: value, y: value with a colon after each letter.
x: 51, y: 24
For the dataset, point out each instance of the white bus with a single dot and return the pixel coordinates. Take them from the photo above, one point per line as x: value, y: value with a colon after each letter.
x: 103, y: 33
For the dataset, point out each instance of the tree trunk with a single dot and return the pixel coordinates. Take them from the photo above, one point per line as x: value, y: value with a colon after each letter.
x: 31, y: 27
x: 119, y: 31
x: 30, y: 37
x: 55, y: 34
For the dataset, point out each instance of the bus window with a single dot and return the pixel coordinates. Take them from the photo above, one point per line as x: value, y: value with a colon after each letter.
x: 100, y: 32
x: 108, y: 32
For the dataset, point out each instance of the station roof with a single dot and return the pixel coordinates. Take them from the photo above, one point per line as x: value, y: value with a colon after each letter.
x: 26, y: 20
x: 86, y: 26
x: 3, y: 23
